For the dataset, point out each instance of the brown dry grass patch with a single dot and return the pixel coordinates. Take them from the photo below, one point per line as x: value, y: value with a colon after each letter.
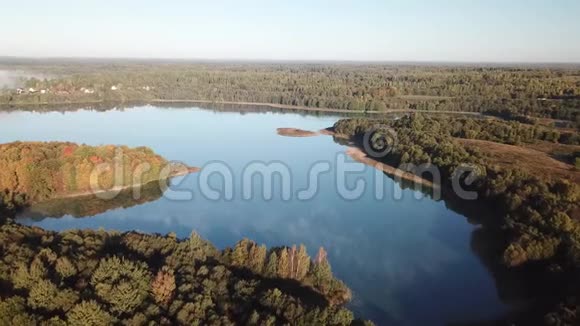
x: 553, y: 149
x: 534, y: 161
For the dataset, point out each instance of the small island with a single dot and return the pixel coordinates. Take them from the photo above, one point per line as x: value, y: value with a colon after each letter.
x: 294, y: 132
x: 34, y: 172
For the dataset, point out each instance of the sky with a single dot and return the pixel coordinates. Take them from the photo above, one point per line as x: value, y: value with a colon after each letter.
x: 363, y: 30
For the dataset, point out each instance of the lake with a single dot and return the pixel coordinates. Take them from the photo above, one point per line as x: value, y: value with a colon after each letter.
x: 408, y: 259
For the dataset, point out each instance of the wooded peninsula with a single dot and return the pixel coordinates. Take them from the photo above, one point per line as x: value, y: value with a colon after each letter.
x: 536, y: 215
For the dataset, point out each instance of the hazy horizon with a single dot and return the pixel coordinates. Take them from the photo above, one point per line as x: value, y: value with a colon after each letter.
x: 416, y: 31
x: 81, y: 59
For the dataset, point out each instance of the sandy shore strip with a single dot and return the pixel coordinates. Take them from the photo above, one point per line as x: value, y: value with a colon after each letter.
x: 358, y: 155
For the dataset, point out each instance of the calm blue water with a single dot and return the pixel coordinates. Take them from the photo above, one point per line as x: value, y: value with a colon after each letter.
x: 408, y: 261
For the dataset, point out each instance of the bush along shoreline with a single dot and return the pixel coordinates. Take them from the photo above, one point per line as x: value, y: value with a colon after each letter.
x: 536, y: 217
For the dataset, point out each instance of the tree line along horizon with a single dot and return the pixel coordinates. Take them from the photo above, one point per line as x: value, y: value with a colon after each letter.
x: 516, y: 93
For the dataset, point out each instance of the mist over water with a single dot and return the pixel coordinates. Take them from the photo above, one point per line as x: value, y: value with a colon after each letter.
x: 16, y: 78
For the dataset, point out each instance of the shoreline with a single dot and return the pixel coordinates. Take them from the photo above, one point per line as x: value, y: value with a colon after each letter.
x: 312, y: 109
x: 358, y: 155
x: 189, y: 170
x: 241, y: 103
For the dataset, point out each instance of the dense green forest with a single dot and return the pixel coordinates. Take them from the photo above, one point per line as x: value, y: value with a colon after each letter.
x: 100, y: 278
x: 517, y: 92
x: 537, y: 216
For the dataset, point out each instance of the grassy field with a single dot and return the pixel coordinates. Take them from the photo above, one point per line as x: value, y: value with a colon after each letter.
x: 537, y: 159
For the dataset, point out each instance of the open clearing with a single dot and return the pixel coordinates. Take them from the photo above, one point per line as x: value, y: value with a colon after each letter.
x: 534, y: 161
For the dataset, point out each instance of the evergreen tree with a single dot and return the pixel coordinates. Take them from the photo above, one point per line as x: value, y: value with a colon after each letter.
x: 302, y: 263
x: 241, y: 253
x: 283, y: 264
x: 292, y: 261
x: 272, y: 266
x: 257, y: 258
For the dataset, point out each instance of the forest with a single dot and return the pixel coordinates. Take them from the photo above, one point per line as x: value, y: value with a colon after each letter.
x: 537, y: 216
x: 86, y: 277
x: 523, y: 93
x: 36, y: 171
x: 101, y: 278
